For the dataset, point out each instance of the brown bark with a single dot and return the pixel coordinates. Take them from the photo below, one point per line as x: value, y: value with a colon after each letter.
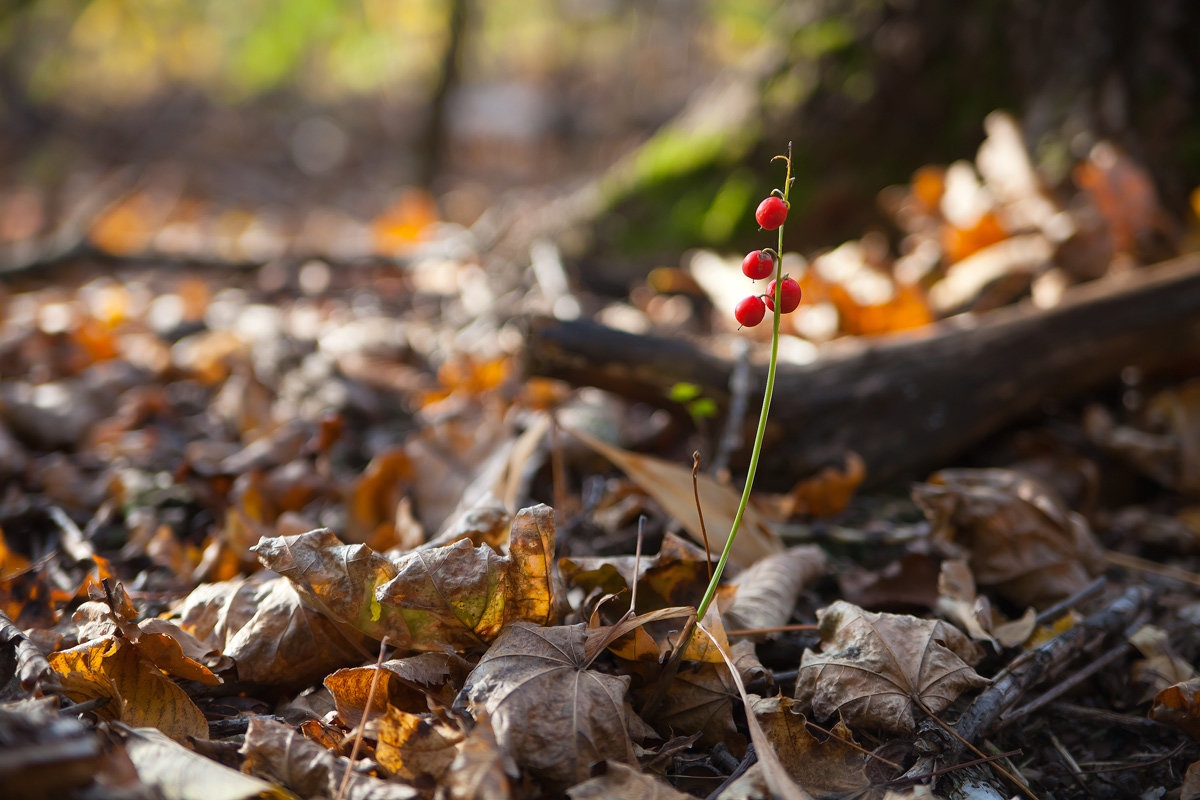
x: 913, y: 403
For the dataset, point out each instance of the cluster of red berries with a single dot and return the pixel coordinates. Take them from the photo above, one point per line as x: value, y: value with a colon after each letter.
x: 759, y: 264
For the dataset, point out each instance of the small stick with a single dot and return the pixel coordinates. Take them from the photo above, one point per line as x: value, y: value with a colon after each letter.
x: 1066, y: 756
x: 362, y: 723
x: 637, y: 565
x: 950, y: 730
x: 1153, y: 567
x: 853, y: 746
x: 953, y: 768
x: 739, y: 771
x: 699, y: 512
x: 1058, y: 609
x: 1067, y: 685
x: 558, y: 469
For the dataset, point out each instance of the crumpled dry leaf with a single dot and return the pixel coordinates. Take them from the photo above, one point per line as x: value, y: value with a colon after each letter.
x: 138, y: 693
x: 958, y: 600
x: 552, y: 714
x: 671, y: 485
x: 1190, y: 790
x: 875, y: 668
x: 274, y: 751
x: 676, y: 576
x: 1179, y: 705
x: 458, y: 596
x: 160, y: 641
x: 416, y: 747
x: 1019, y: 537
x: 827, y: 768
x: 767, y: 592
x: 406, y: 683
x: 177, y: 773
x: 482, y: 769
x: 269, y: 632
x: 622, y: 782
x: 1164, y: 443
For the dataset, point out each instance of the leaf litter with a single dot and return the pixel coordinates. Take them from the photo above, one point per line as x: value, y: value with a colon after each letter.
x: 267, y: 489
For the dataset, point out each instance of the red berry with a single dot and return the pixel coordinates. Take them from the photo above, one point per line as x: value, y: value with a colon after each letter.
x: 758, y: 265
x: 790, y: 299
x: 750, y: 311
x: 771, y: 213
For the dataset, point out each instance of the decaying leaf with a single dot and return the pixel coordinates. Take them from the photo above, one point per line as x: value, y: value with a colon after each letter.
x: 1161, y: 666
x: 1179, y: 705
x: 482, y: 769
x: 1164, y: 443
x: 671, y: 485
x: 958, y: 600
x: 828, y: 767
x: 767, y: 592
x: 555, y: 716
x: 138, y: 693
x: 700, y: 700
x: 1190, y: 790
x: 278, y: 753
x: 1018, y: 535
x: 458, y: 595
x: 269, y: 632
x: 874, y: 669
x: 179, y: 774
x: 416, y: 747
x: 406, y: 683
x: 622, y: 782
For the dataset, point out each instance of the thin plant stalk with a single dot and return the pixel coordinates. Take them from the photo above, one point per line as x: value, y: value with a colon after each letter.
x: 711, y: 591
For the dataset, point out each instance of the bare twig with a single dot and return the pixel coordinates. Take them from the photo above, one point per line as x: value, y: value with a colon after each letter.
x: 362, y: 723
x: 700, y: 511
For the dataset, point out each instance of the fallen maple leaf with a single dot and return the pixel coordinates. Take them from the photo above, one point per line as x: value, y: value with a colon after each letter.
x: 874, y: 669
x: 458, y: 595
x: 1018, y: 535
x: 552, y: 714
x: 138, y: 693
x: 269, y: 632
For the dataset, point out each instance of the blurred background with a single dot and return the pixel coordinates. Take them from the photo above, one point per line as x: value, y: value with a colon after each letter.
x: 353, y: 127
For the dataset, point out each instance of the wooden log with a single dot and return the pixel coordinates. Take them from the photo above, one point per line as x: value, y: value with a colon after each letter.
x: 909, y: 404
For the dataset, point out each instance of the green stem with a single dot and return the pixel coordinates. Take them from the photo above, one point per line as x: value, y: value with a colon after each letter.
x: 711, y: 591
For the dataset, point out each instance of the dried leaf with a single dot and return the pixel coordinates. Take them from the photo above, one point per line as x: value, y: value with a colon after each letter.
x: 1164, y: 443
x: 671, y: 485
x: 1018, y: 535
x: 700, y: 700
x: 277, y: 752
x: 621, y: 782
x: 416, y: 746
x: 269, y: 632
x: 1190, y: 790
x: 405, y: 683
x: 676, y: 576
x: 456, y: 596
x: 177, y: 773
x: 481, y: 769
x: 958, y: 600
x: 827, y: 767
x: 555, y: 716
x: 767, y: 592
x: 139, y: 694
x: 1179, y: 705
x: 874, y: 669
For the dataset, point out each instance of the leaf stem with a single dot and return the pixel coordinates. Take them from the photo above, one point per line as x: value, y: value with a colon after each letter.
x: 711, y: 591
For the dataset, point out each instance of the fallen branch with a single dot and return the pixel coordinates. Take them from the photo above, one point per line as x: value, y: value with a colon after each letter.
x: 909, y: 404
